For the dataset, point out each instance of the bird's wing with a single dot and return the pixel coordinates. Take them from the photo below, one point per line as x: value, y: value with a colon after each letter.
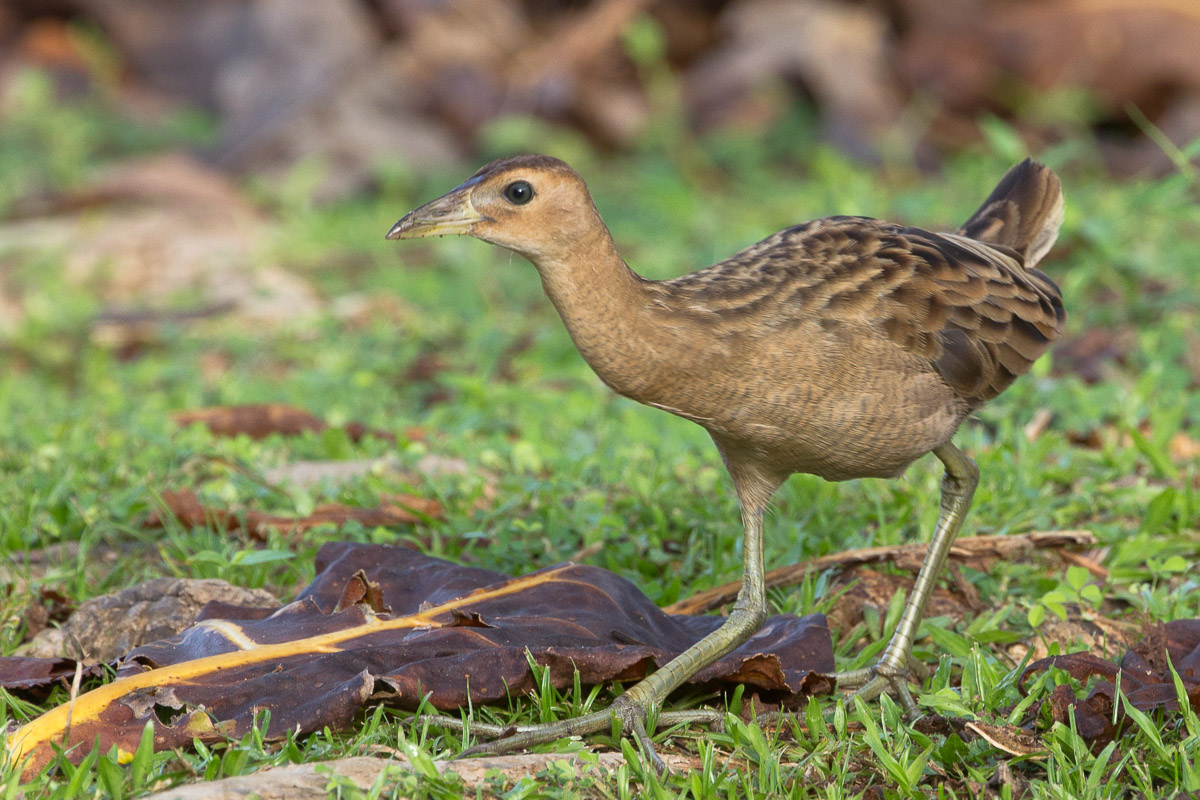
x: 980, y: 315
x: 971, y: 309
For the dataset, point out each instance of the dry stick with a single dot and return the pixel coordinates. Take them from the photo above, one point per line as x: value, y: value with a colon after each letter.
x: 1090, y: 564
x: 969, y: 548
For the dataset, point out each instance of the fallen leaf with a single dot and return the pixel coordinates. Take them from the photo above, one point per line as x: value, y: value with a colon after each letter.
x: 148, y: 231
x: 1120, y: 52
x: 456, y: 636
x: 1089, y: 440
x: 50, y: 606
x: 1009, y: 738
x: 838, y: 51
x: 186, y: 507
x: 874, y: 590
x: 262, y: 420
x: 1142, y: 673
x: 111, y: 625
x: 1099, y: 635
x: 37, y: 675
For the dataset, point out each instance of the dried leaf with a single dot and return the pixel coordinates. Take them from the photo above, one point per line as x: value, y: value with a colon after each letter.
x: 838, y: 50
x: 111, y: 625
x: 262, y: 420
x: 39, y: 674
x: 186, y: 507
x: 1142, y: 674
x: 874, y: 590
x: 50, y: 606
x: 1009, y: 738
x: 457, y: 635
x: 148, y: 231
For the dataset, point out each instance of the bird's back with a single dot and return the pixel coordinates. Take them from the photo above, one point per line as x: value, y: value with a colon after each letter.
x: 850, y: 346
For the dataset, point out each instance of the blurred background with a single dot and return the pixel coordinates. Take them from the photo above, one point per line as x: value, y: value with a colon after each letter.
x: 358, y: 83
x: 340, y: 99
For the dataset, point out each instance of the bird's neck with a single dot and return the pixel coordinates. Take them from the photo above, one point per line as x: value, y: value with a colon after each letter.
x: 603, y: 302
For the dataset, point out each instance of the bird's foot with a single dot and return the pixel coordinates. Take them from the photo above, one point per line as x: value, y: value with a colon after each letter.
x: 630, y: 713
x: 889, y: 675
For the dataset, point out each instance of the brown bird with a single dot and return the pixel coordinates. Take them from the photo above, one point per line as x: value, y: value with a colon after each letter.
x: 846, y: 347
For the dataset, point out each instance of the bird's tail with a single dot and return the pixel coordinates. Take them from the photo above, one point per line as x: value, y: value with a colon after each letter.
x: 1022, y: 213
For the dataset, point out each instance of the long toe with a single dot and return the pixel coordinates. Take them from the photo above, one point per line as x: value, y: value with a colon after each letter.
x: 522, y: 737
x: 882, y: 678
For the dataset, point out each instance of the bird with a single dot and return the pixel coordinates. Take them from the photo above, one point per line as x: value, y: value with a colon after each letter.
x: 846, y: 347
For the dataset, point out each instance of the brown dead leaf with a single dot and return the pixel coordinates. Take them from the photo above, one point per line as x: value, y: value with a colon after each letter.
x: 1142, y: 674
x: 36, y: 676
x: 411, y: 504
x: 1089, y: 440
x: 1009, y: 738
x: 262, y: 420
x: 186, y: 507
x: 1096, y: 634
x: 49, y: 43
x: 425, y: 367
x: 1121, y: 52
x: 456, y: 636
x: 50, y: 607
x: 105, y: 627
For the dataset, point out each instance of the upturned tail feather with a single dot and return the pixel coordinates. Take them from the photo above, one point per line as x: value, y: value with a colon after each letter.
x: 1023, y: 213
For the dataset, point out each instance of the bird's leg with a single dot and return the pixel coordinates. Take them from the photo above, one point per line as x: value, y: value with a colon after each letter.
x: 632, y: 707
x: 891, y: 670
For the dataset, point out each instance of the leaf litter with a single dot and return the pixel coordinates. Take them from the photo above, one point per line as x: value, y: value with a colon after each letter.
x: 383, y: 624
x: 397, y: 510
x: 258, y: 421
x: 1143, y: 675
x: 388, y: 624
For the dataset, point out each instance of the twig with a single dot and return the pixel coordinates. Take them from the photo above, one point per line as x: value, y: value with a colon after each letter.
x: 964, y: 549
x: 1090, y: 564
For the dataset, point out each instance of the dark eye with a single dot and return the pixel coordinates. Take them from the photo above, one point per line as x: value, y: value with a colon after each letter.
x: 518, y: 193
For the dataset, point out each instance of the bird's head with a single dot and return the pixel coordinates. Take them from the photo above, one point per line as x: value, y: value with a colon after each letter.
x: 534, y: 205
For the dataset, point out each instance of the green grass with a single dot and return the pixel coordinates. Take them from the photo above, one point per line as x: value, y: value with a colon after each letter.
x: 86, y: 444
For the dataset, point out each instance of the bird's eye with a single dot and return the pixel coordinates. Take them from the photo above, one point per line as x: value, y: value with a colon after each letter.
x: 518, y: 193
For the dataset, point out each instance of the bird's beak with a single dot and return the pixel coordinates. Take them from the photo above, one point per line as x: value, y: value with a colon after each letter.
x: 452, y: 214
